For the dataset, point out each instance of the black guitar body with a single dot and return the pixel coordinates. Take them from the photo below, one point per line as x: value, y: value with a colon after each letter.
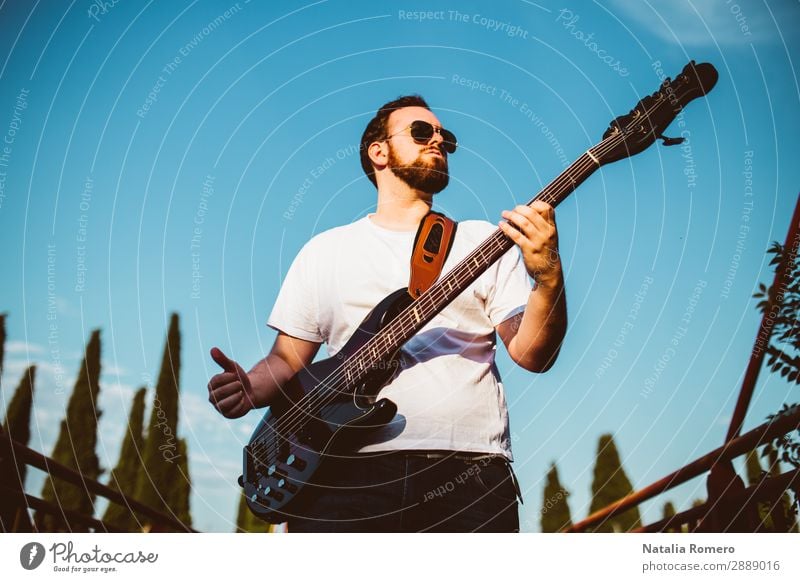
x: 311, y: 420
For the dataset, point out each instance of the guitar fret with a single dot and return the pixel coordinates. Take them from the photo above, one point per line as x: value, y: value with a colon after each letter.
x: 414, y: 317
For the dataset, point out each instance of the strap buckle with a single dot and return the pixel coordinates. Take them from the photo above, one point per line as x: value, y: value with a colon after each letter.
x: 431, y: 247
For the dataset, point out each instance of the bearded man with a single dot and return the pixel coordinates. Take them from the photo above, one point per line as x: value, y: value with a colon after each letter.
x: 443, y: 463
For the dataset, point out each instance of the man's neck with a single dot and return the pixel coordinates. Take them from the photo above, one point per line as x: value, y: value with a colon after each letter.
x: 401, y: 208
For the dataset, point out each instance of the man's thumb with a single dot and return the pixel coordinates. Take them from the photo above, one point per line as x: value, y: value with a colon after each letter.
x: 225, y: 363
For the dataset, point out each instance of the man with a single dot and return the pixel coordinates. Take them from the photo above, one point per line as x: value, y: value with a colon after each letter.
x: 442, y: 464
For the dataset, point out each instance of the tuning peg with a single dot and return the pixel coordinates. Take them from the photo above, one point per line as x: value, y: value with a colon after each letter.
x: 671, y: 141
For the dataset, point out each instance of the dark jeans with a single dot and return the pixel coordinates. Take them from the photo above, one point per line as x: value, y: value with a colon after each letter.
x: 409, y: 492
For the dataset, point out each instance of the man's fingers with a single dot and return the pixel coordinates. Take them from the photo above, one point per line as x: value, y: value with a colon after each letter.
x: 222, y: 379
x: 224, y: 361
x: 229, y: 404
x: 522, y: 221
x: 222, y: 392
x: 510, y: 231
x: 544, y: 209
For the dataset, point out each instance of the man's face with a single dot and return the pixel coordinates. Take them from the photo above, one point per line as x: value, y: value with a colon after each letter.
x: 422, y: 166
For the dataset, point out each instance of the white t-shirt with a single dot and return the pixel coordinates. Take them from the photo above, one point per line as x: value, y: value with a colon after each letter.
x: 448, y: 392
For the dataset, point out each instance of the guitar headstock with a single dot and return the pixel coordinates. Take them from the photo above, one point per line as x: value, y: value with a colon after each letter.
x: 636, y: 131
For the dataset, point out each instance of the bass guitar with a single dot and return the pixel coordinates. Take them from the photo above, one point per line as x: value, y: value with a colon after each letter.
x: 325, y: 407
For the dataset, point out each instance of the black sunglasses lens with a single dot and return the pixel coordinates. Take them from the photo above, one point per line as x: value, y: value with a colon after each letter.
x: 449, y: 141
x: 422, y: 131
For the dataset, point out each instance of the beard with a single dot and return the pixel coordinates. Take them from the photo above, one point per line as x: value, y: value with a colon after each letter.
x: 428, y: 175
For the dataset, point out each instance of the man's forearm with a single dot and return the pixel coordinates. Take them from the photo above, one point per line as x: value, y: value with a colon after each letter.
x: 542, y: 328
x: 267, y: 378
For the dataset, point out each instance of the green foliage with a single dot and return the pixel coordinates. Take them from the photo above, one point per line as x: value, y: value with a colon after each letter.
x: 241, y: 515
x: 555, y: 514
x: 2, y: 341
x: 75, y: 446
x: 788, y: 506
x: 156, y: 480
x: 609, y: 485
x: 18, y: 418
x: 755, y: 473
x: 668, y: 511
x: 783, y: 357
x: 183, y: 486
x: 783, y: 351
x: 247, y: 522
x: 787, y: 445
x: 753, y: 468
x: 123, y: 477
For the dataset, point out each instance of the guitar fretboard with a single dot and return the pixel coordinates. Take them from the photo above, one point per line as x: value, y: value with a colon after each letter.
x: 412, y: 319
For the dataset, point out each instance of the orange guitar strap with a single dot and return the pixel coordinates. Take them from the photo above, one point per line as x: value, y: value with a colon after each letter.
x: 431, y: 247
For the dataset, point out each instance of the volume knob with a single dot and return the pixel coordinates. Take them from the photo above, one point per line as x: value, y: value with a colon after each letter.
x: 296, y: 462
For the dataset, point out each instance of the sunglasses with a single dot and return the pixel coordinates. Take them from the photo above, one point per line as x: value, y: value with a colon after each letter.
x: 422, y: 132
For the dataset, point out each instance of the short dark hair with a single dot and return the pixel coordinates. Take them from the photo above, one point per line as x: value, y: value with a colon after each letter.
x: 376, y: 128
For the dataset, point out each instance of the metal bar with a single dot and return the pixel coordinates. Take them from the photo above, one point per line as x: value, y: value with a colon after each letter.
x: 53, y: 468
x: 70, y: 516
x: 738, y: 446
x: 774, y: 486
x: 765, y: 330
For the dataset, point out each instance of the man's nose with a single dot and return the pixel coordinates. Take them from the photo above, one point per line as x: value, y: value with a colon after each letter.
x: 437, y: 138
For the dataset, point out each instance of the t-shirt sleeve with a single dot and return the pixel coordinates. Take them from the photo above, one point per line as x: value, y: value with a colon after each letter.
x: 508, y: 294
x: 296, y: 310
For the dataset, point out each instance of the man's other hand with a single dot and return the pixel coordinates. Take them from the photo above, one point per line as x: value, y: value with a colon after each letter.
x: 230, y: 391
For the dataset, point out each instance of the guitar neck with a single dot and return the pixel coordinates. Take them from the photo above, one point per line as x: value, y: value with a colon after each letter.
x: 444, y: 291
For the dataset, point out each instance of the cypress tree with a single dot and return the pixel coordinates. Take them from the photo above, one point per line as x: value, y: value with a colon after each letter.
x: 16, y: 426
x: 753, y: 468
x: 75, y: 446
x: 2, y: 341
x: 669, y: 511
x: 123, y: 477
x: 18, y: 416
x: 775, y: 470
x: 609, y: 485
x: 555, y: 510
x: 241, y: 515
x: 156, y: 480
x: 247, y: 522
x: 754, y: 475
x: 183, y: 486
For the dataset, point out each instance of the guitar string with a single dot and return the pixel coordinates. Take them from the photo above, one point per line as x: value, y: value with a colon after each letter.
x: 312, y: 400
x: 492, y: 244
x: 379, y: 343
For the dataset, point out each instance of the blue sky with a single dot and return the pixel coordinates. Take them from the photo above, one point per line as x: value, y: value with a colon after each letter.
x: 166, y: 157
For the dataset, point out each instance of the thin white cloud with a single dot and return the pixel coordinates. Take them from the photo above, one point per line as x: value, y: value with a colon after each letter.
x: 702, y: 22
x: 20, y: 347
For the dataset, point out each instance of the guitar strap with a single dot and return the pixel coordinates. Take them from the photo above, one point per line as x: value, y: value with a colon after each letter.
x: 431, y: 247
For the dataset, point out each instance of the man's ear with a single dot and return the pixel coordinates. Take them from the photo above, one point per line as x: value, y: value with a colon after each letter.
x: 378, y: 153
